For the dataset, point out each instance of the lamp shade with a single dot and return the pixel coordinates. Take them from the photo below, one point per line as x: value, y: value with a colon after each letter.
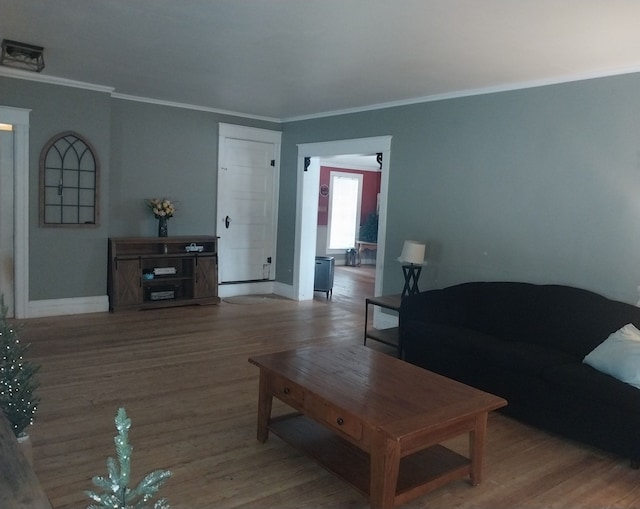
x: 412, y: 252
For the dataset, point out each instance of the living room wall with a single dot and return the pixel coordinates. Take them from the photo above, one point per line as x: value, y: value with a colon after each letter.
x: 163, y: 151
x: 64, y: 262
x: 538, y: 185
x: 145, y: 150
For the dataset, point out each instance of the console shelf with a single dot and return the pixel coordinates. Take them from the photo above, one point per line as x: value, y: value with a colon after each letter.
x: 150, y: 272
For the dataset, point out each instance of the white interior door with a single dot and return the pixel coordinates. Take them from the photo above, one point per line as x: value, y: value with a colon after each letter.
x: 6, y: 219
x: 247, y: 203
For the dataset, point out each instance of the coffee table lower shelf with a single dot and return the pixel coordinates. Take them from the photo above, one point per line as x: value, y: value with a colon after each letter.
x: 420, y: 472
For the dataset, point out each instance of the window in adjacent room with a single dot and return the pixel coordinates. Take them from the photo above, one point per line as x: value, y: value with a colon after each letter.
x: 345, y: 197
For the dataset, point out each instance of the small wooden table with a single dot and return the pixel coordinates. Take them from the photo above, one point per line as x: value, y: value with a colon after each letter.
x: 361, y: 246
x: 390, y: 336
x: 374, y: 420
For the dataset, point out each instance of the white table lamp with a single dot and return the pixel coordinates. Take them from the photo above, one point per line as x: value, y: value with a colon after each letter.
x: 412, y: 252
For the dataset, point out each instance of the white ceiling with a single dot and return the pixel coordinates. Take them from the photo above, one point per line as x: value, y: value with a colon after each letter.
x: 289, y: 59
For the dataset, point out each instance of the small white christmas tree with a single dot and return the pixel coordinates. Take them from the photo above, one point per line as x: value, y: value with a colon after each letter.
x: 17, y: 377
x: 117, y: 494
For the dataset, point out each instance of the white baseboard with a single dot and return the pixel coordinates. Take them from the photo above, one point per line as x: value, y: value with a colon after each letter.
x: 99, y: 304
x: 72, y: 306
x: 256, y: 288
x: 284, y: 290
x: 253, y: 288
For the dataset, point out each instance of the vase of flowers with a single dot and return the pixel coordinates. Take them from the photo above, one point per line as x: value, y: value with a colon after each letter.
x: 162, y: 209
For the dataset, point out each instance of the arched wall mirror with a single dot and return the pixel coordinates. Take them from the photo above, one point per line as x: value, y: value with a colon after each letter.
x: 69, y: 182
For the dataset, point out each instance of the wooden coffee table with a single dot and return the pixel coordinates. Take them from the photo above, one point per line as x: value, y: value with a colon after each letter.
x: 374, y: 420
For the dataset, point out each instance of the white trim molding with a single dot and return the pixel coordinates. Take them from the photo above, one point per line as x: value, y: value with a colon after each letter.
x: 19, y: 119
x: 454, y: 94
x: 53, y: 80
x: 72, y: 306
x: 250, y: 288
x: 307, y: 206
x: 250, y: 134
x: 242, y: 132
x: 187, y: 106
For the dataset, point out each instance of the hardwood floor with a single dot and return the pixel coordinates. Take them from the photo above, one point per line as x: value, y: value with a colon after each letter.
x: 183, y: 376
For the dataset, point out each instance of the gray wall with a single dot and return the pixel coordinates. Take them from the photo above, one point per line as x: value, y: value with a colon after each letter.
x: 64, y: 262
x: 145, y: 151
x: 539, y: 185
x: 162, y: 151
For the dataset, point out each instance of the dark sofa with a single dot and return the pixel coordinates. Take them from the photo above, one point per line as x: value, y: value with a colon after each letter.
x: 526, y: 343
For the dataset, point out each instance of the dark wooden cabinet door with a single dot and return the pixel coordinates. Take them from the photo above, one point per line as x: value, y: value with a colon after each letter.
x: 128, y: 287
x: 206, y: 282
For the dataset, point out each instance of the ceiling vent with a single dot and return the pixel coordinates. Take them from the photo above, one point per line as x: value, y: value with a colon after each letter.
x: 22, y: 56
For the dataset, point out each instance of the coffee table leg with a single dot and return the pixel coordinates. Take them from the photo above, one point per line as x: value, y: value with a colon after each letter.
x: 265, y: 400
x: 385, y: 465
x: 477, y: 441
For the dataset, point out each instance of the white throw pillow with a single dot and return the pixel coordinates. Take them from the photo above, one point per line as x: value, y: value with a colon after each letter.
x: 619, y: 355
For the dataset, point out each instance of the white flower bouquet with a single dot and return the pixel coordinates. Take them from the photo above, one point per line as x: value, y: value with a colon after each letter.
x: 161, y: 207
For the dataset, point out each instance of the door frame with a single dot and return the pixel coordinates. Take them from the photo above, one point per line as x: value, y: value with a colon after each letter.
x: 19, y: 118
x: 307, y: 206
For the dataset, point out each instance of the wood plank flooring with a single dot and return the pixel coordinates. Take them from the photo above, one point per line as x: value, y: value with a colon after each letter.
x: 183, y: 376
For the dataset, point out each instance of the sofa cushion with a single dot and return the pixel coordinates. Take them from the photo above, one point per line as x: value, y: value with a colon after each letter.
x: 581, y: 382
x: 618, y: 355
x: 446, y: 336
x: 527, y: 358
x: 454, y: 352
x: 493, y: 352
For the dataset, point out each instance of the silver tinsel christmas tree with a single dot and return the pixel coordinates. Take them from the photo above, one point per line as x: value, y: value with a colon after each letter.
x: 17, y: 377
x: 117, y: 494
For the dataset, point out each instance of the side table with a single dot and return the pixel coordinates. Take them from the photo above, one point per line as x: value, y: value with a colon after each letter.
x: 389, y: 336
x: 364, y: 246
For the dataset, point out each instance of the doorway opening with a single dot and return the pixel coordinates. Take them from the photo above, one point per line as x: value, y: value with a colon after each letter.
x: 307, y: 206
x: 18, y: 118
x: 6, y: 216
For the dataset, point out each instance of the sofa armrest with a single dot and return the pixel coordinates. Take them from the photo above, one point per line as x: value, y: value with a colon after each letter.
x: 19, y: 486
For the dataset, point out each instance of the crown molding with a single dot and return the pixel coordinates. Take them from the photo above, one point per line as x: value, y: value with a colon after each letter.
x: 44, y: 78
x: 187, y: 106
x: 508, y: 87
x: 53, y: 80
